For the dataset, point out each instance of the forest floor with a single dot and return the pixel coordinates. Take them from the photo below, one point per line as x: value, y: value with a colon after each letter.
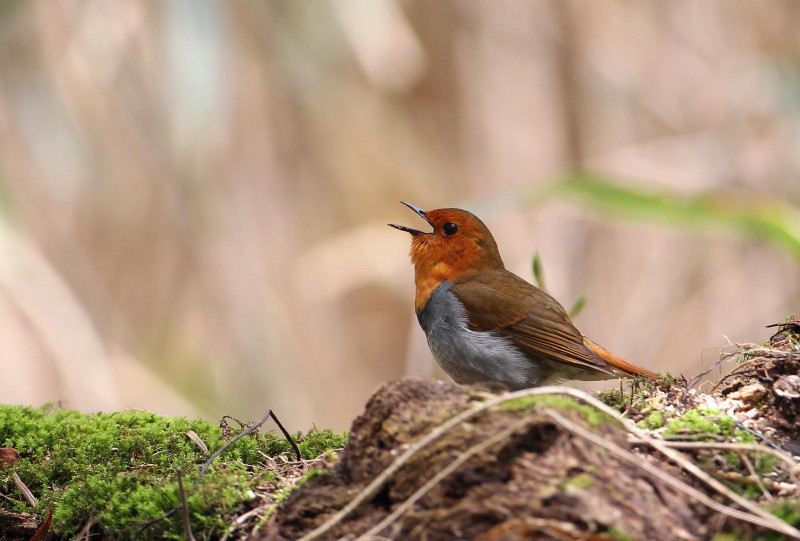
x: 712, y: 457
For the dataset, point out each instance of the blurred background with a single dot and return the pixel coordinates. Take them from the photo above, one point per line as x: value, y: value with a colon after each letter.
x: 194, y: 194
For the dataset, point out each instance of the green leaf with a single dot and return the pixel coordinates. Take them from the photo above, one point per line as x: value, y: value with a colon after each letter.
x: 538, y: 271
x: 757, y: 215
x: 578, y: 305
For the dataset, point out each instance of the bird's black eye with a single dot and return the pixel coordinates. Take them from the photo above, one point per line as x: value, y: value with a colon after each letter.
x: 449, y: 229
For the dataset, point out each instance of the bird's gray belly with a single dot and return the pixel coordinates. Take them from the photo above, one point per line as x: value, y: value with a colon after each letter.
x: 471, y: 356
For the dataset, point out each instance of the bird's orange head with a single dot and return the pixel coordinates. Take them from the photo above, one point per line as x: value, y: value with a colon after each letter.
x: 459, y: 244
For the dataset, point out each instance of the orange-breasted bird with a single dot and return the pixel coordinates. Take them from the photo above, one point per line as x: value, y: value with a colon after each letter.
x: 484, y: 323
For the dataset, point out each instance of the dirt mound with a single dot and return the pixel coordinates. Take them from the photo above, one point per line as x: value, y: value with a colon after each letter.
x: 431, y: 460
x: 541, y: 480
x: 767, y: 382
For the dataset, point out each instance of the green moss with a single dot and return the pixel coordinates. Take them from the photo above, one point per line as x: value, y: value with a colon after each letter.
x: 703, y: 424
x: 120, y: 469
x: 765, y: 464
x: 581, y: 481
x: 616, y: 398
x: 641, y: 388
x: 527, y: 404
x: 786, y: 510
x: 318, y: 442
x: 762, y: 463
x: 654, y: 419
x: 311, y: 445
x: 618, y: 535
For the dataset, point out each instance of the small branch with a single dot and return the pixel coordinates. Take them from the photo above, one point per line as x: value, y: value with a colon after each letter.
x: 83, y: 535
x: 239, y: 521
x: 288, y: 437
x: 187, y: 524
x: 767, y: 494
x: 242, y: 434
x: 794, y: 467
x: 23, y: 488
x: 714, y: 366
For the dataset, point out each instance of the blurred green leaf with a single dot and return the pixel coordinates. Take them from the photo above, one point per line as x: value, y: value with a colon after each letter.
x: 538, y: 271
x: 538, y: 274
x: 757, y: 215
x: 578, y: 305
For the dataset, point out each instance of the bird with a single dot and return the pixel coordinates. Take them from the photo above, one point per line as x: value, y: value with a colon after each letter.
x: 485, y: 324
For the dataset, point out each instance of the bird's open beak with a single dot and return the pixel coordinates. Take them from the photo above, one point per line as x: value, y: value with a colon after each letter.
x: 408, y: 229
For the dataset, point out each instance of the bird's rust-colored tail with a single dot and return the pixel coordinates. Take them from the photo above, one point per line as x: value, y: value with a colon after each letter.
x: 618, y: 363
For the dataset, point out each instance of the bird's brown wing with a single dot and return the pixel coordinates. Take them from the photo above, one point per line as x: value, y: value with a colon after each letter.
x: 537, y: 324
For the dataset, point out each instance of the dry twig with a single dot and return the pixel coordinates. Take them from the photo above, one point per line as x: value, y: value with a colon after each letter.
x: 793, y: 466
x: 242, y: 434
x: 23, y: 488
x: 187, y: 523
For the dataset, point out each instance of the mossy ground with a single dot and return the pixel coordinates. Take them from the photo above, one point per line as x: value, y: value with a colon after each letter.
x: 119, y: 470
x: 750, y: 400
x: 705, y: 424
x: 524, y: 405
x: 544, y: 476
x: 635, y: 392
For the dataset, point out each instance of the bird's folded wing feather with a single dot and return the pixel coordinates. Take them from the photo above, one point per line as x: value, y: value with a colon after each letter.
x: 537, y: 324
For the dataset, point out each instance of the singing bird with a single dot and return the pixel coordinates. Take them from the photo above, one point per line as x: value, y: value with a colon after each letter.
x: 486, y: 324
